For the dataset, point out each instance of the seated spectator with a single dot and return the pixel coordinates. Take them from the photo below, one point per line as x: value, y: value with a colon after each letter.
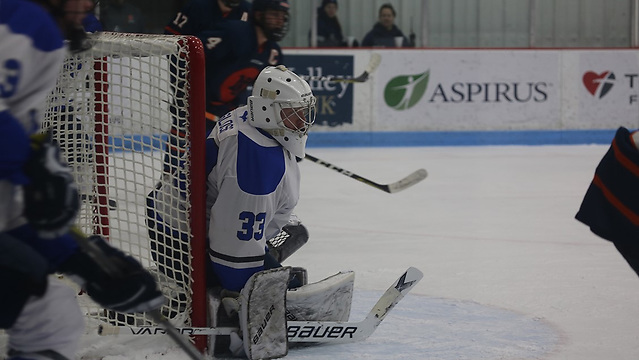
x: 385, y: 31
x: 329, y: 30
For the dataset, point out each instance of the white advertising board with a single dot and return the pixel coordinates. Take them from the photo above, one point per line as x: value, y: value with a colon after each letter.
x: 608, y: 83
x: 467, y: 90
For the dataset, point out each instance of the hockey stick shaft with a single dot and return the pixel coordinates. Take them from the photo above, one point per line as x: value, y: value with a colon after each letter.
x: 113, y: 270
x: 399, y: 185
x: 306, y: 331
x: 176, y: 335
x: 373, y: 63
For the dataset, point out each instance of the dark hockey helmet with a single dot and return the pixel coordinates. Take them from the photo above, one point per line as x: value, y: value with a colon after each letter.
x: 69, y: 15
x: 275, y: 30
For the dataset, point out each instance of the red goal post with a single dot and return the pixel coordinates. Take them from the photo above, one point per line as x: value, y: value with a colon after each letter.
x: 112, y: 113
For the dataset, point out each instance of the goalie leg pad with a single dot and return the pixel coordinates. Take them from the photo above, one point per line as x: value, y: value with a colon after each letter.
x: 326, y: 300
x: 263, y: 315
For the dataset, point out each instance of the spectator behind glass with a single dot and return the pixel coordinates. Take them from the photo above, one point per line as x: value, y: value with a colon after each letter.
x: 329, y: 30
x: 385, y: 31
x: 121, y: 16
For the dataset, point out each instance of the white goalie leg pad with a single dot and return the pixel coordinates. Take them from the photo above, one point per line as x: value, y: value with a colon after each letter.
x: 326, y: 300
x: 53, y: 322
x: 263, y: 314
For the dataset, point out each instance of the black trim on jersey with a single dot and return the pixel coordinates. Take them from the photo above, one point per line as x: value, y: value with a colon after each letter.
x: 235, y: 259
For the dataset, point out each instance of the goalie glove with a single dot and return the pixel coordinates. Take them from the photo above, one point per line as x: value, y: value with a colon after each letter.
x: 128, y: 289
x: 51, y: 197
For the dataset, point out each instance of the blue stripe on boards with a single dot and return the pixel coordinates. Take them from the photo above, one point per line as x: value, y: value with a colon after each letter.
x: 417, y: 138
x: 460, y: 138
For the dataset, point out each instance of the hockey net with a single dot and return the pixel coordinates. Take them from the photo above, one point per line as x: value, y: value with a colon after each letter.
x: 112, y: 113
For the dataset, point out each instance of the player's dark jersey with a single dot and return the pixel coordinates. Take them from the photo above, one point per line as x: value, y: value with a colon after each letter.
x: 233, y: 61
x: 610, y: 206
x: 200, y: 15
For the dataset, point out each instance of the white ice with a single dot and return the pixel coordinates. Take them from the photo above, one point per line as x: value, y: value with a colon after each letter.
x: 508, y: 272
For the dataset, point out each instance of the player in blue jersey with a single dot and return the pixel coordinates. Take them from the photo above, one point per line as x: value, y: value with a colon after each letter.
x: 39, y: 200
x: 236, y: 51
x: 611, y: 205
x: 200, y: 15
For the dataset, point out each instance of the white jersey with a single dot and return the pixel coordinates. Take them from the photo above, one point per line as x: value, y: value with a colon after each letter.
x: 251, y: 193
x: 31, y: 55
x: 253, y: 185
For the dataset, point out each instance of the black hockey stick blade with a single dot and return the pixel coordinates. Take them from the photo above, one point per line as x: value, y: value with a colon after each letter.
x: 404, y: 183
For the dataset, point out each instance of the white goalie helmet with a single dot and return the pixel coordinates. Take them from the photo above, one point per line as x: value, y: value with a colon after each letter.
x: 283, y: 105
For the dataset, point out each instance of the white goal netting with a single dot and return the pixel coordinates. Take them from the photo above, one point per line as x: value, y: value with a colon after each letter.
x: 122, y: 114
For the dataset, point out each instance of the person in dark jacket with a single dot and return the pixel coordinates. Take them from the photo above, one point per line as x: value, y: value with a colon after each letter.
x: 611, y: 205
x: 329, y: 30
x: 385, y: 31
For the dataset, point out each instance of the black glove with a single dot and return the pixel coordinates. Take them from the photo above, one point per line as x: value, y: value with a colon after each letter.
x: 125, y: 286
x: 51, y: 198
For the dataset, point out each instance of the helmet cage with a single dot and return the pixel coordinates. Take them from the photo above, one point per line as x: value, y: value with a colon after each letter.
x: 301, y: 116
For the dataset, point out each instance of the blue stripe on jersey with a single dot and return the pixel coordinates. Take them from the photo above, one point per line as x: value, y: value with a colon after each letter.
x: 29, y: 19
x: 259, y: 169
x: 233, y: 279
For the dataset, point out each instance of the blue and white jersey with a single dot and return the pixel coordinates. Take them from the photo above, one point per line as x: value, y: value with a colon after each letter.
x: 31, y: 54
x: 252, y: 188
x: 253, y: 185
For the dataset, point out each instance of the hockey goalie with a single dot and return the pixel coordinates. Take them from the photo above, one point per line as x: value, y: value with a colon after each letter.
x: 253, y: 185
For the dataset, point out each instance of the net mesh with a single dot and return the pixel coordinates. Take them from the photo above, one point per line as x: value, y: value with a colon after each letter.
x: 111, y: 113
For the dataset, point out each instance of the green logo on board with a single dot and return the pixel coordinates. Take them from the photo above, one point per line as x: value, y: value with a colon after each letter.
x: 404, y: 91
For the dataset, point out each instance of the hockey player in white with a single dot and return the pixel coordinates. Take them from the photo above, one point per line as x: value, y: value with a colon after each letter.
x: 38, y: 199
x: 253, y: 185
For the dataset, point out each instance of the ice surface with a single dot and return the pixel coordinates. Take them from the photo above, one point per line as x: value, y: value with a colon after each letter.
x: 508, y: 272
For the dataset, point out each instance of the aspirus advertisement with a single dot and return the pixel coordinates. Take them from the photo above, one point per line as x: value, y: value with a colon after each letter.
x: 334, y: 99
x: 608, y: 83
x: 468, y: 90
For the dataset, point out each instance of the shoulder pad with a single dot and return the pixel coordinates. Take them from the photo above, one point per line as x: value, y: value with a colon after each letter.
x: 229, y: 124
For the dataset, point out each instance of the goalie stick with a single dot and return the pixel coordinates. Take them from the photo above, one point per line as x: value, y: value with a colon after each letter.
x: 373, y: 63
x: 406, y: 182
x: 305, y: 331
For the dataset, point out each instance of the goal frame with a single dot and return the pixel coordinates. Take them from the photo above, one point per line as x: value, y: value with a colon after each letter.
x: 100, y: 224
